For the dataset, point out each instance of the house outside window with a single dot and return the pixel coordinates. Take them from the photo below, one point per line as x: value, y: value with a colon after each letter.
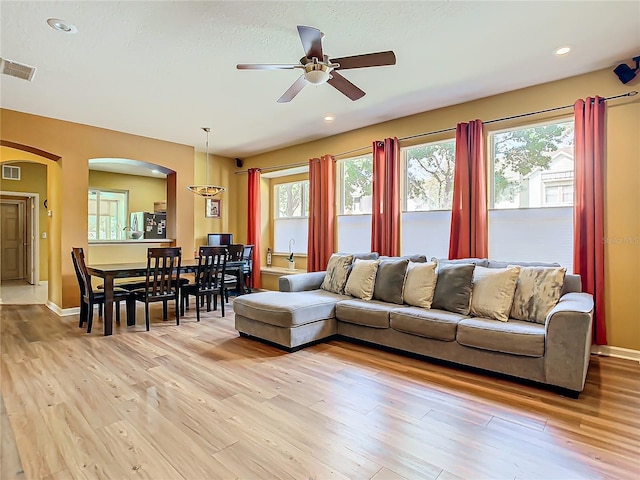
x: 531, y: 193
x: 428, y: 192
x: 291, y: 217
x: 108, y: 214
x: 354, y: 199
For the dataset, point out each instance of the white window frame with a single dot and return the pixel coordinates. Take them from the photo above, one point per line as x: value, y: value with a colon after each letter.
x: 121, y: 217
x: 296, y: 226
x: 540, y: 233
x: 353, y: 230
x: 422, y: 241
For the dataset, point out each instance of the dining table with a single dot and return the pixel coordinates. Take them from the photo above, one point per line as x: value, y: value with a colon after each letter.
x: 110, y: 271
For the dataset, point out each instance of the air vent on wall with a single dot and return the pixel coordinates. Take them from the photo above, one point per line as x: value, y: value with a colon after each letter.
x: 10, y: 172
x: 17, y: 70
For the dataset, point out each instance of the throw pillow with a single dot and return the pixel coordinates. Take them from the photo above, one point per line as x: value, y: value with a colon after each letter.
x: 493, y: 290
x: 390, y: 280
x: 337, y: 272
x: 453, y: 287
x: 362, y: 279
x: 420, y: 284
x: 537, y: 292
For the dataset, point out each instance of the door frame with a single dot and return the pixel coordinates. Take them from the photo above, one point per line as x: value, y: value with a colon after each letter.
x: 33, y: 229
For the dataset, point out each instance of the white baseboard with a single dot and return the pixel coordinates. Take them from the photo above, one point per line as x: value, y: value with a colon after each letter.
x: 617, y: 352
x: 62, y: 312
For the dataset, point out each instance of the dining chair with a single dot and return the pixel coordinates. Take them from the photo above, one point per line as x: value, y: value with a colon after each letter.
x: 235, y: 253
x: 247, y: 256
x: 91, y: 297
x: 208, y: 281
x: 162, y: 282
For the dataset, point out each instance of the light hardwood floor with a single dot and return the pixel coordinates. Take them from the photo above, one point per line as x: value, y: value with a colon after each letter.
x: 196, y: 401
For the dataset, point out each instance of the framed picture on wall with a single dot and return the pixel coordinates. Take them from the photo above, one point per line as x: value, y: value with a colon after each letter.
x: 212, y: 208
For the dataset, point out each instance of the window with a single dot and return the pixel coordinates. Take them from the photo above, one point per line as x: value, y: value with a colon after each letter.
x: 531, y: 197
x: 290, y: 225
x: 355, y: 195
x: 428, y: 193
x: 108, y: 214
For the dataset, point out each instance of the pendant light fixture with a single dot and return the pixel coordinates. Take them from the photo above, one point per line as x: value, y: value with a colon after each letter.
x: 207, y: 191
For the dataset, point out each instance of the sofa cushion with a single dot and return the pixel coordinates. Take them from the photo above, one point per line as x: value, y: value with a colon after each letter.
x: 287, y: 309
x: 390, y: 280
x: 419, y: 284
x: 417, y: 258
x: 337, y: 272
x: 499, y: 264
x: 493, y: 290
x: 515, y: 337
x: 370, y: 313
x: 537, y: 292
x: 362, y: 279
x: 453, y: 288
x: 482, y: 262
x: 437, y: 324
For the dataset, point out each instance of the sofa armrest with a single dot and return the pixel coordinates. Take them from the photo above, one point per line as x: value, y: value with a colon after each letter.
x: 301, y: 282
x: 568, y: 341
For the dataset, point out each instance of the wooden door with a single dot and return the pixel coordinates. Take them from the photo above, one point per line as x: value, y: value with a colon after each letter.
x: 12, y: 240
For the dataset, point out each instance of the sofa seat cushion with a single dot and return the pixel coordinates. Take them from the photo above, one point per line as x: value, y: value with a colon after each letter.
x: 287, y: 309
x: 515, y: 336
x: 438, y: 324
x: 370, y: 313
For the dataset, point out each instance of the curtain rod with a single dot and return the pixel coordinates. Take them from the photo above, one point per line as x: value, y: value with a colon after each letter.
x: 444, y: 130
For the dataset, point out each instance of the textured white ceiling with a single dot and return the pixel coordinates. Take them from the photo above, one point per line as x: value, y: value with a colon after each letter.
x: 165, y: 69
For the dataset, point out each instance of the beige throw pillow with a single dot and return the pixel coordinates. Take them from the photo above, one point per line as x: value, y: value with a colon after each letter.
x: 537, y: 292
x: 362, y: 279
x: 337, y: 272
x: 493, y: 291
x: 420, y: 283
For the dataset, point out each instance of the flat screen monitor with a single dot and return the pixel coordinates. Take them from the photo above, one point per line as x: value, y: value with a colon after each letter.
x: 217, y: 239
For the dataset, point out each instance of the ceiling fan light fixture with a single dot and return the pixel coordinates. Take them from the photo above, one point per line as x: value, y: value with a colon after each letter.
x: 206, y: 191
x: 317, y: 73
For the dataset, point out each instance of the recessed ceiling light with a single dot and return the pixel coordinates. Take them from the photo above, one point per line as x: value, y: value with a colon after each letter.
x: 329, y: 118
x: 62, y: 25
x: 562, y: 50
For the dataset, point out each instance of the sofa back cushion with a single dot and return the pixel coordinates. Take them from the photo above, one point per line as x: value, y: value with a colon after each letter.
x: 337, y: 272
x: 482, y: 262
x: 537, y: 292
x: 493, y: 291
x: 390, y: 280
x: 362, y: 279
x: 419, y: 284
x: 453, y: 287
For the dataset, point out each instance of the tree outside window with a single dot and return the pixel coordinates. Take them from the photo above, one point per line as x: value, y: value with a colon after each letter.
x: 429, y: 180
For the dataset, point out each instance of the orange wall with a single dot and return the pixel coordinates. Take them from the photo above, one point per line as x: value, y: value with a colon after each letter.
x: 622, y: 202
x: 68, y: 185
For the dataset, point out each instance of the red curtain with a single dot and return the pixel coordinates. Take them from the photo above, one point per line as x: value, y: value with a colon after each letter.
x: 469, y: 231
x: 254, y: 226
x: 322, y: 188
x: 588, y: 216
x: 385, y: 221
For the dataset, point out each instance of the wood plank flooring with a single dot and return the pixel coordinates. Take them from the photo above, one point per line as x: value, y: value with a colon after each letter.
x: 196, y: 401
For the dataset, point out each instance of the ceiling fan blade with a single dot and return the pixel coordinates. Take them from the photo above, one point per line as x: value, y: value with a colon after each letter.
x: 311, y: 41
x: 293, y: 90
x: 345, y: 86
x: 265, y: 66
x: 367, y: 60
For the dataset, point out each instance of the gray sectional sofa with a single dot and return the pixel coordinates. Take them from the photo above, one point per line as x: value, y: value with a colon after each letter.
x: 554, y: 353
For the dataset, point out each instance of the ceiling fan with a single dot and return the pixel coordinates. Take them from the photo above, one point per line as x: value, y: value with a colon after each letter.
x: 319, y: 68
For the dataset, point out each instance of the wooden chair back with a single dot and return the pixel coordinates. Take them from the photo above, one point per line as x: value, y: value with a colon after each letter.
x: 211, y: 269
x: 163, y: 273
x: 84, y: 279
x: 235, y: 252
